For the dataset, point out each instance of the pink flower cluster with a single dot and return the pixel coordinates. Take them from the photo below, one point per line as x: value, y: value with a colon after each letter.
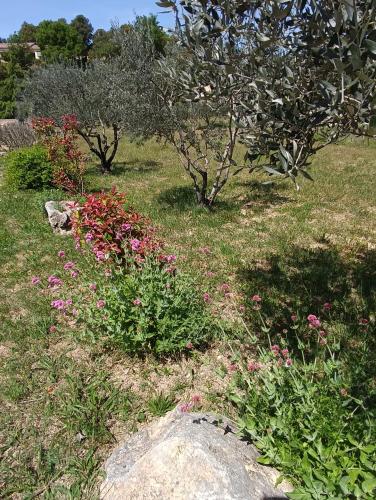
x: 313, y: 321
x: 69, y: 265
x: 204, y: 250
x: 137, y: 302
x: 254, y: 366
x: 186, y: 407
x: 281, y: 354
x: 206, y: 297
x: 135, y: 244
x: 100, y: 255
x: 169, y: 259
x: 61, y: 304
x: 35, y: 280
x: 54, y: 281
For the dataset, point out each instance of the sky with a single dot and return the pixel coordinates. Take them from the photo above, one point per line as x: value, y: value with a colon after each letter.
x: 100, y: 12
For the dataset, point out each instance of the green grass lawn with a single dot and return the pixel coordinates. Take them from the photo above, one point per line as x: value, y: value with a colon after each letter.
x: 64, y: 404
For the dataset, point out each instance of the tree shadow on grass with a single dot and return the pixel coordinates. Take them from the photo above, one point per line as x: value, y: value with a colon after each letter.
x: 304, y: 279
x: 136, y: 166
x: 183, y: 198
x: 262, y: 196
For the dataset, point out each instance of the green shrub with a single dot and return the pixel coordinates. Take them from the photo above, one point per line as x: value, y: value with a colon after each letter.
x: 28, y: 168
x: 303, y: 408
x: 150, y: 309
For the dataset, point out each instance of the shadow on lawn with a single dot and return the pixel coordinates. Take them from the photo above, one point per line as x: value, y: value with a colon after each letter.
x: 135, y: 166
x: 183, y: 198
x: 262, y: 196
x: 301, y: 281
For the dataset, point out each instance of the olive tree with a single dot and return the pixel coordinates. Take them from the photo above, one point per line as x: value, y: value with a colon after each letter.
x: 108, y: 97
x: 285, y: 78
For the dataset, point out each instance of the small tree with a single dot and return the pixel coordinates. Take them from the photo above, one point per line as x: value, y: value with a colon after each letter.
x: 286, y: 78
x: 109, y: 97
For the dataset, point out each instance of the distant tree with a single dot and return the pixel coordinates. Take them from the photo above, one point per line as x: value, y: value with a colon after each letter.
x: 151, y: 27
x: 17, y: 62
x: 104, y: 45
x: 59, y: 41
x: 83, y: 26
x: 27, y: 32
x: 104, y: 95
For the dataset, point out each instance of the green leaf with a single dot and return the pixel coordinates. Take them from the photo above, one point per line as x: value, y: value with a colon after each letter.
x: 369, y: 485
x: 370, y: 45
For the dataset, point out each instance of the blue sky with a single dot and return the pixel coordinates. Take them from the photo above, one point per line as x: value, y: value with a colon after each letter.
x: 100, y: 12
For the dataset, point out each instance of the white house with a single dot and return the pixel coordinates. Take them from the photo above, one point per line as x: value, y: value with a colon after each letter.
x: 31, y: 46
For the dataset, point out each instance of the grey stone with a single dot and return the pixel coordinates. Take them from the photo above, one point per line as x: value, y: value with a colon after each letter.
x: 190, y: 456
x: 60, y: 220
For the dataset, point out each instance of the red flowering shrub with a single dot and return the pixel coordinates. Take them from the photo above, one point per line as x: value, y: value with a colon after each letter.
x: 63, y: 152
x: 114, y: 230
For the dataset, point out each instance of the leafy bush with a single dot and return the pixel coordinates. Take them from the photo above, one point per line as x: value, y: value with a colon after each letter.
x: 301, y: 406
x: 28, y: 168
x: 113, y: 230
x: 61, y: 143
x: 149, y: 309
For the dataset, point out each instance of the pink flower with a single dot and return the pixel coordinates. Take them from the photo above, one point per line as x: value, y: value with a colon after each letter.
x: 69, y: 302
x: 294, y: 317
x: 93, y: 286
x: 135, y: 244
x: 189, y: 345
x: 256, y: 298
x: 363, y: 321
x: 253, y: 366
x: 35, y: 280
x: 275, y: 348
x: 137, y: 302
x: 74, y: 312
x: 61, y: 254
x: 77, y: 246
x: 89, y: 237
x: 195, y: 399
x: 285, y: 353
x: 327, y: 306
x: 74, y: 274
x: 58, y: 304
x: 288, y: 362
x: 323, y: 341
x: 185, y: 407
x: 225, y: 288
x: 204, y: 250
x: 101, y: 303
x: 126, y: 227
x: 210, y: 274
x: 69, y: 265
x: 171, y: 269
x: 206, y: 297
x: 232, y: 367
x: 100, y: 256
x: 170, y: 259
x: 52, y: 329
x: 54, y: 281
x: 314, y: 321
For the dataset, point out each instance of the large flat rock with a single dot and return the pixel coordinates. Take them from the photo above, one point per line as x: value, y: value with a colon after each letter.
x: 190, y: 456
